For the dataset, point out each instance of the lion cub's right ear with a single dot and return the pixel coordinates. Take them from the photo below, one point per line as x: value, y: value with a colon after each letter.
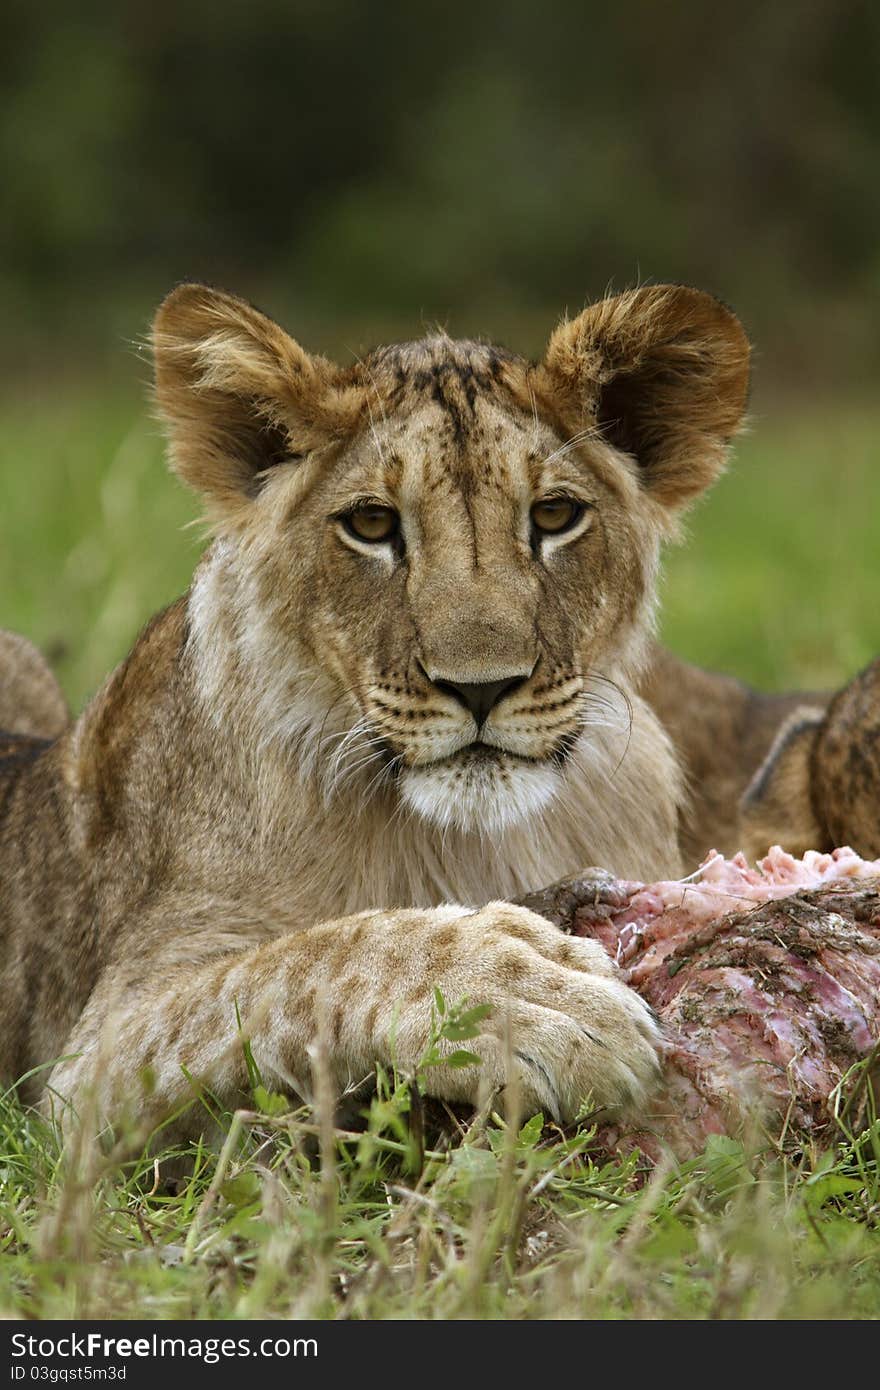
x: 238, y: 395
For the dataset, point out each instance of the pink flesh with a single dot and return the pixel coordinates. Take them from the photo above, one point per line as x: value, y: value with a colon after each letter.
x: 764, y: 1008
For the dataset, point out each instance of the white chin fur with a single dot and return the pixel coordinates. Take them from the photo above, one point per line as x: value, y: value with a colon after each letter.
x: 485, y: 795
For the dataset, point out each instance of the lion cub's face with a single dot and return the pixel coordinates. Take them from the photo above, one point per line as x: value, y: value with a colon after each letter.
x: 461, y: 571
x: 438, y: 565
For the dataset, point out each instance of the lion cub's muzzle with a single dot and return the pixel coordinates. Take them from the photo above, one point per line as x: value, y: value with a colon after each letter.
x: 479, y: 698
x: 433, y: 717
x: 476, y: 755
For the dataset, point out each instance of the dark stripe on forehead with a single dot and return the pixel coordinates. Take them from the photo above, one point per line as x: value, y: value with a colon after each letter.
x: 454, y: 375
x: 467, y: 498
x: 455, y: 386
x: 450, y: 371
x: 451, y: 385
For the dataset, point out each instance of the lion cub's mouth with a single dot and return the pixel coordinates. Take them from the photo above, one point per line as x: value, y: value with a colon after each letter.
x: 477, y: 755
x: 481, y: 788
x: 481, y: 755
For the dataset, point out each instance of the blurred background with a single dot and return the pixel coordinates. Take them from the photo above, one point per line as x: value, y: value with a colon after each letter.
x: 362, y: 172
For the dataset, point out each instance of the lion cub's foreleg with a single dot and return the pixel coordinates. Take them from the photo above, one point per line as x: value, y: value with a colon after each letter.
x: 365, y: 984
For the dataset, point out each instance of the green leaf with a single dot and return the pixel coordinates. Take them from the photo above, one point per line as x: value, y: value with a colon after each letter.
x: 270, y: 1102
x: 497, y: 1139
x: 721, y: 1146
x: 464, y: 1023
x: 473, y: 1173
x: 531, y: 1132
x: 241, y: 1190
x: 824, y: 1185
x: 462, y: 1058
x: 253, y: 1070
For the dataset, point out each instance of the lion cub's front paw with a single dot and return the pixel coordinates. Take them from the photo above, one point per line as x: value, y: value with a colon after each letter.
x: 559, y: 1013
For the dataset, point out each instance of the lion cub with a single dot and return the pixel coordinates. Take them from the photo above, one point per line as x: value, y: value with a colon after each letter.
x: 403, y: 686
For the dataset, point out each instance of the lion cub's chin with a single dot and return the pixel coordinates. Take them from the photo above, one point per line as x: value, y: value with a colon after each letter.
x: 479, y: 790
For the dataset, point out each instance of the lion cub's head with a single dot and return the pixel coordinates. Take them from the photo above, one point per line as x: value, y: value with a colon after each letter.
x: 435, y: 568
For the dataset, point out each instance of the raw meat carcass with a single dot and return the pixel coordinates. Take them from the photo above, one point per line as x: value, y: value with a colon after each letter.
x: 766, y: 981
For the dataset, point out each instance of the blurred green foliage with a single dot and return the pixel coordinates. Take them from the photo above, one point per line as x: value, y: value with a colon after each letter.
x: 360, y: 167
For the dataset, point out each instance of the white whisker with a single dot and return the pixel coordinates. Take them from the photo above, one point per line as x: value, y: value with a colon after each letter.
x: 592, y: 432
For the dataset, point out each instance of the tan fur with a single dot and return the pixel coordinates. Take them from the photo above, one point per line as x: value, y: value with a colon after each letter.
x: 31, y: 702
x: 845, y: 772
x: 276, y: 802
x: 723, y: 732
x: 819, y: 785
x: 777, y: 806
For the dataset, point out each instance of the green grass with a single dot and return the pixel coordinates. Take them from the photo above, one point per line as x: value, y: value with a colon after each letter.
x: 775, y: 584
x: 399, y: 1218
x: 92, y: 538
x: 778, y: 580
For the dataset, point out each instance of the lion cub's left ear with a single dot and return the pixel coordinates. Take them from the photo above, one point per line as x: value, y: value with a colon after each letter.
x: 663, y: 372
x: 238, y: 395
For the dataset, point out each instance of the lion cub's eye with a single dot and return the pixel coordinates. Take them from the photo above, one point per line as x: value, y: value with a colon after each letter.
x: 374, y: 524
x: 555, y: 514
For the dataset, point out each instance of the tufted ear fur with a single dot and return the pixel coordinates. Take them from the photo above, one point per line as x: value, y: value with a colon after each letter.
x: 663, y: 371
x: 238, y: 395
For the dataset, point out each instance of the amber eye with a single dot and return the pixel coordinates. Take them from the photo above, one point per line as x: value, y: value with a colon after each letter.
x: 554, y: 514
x: 373, y: 524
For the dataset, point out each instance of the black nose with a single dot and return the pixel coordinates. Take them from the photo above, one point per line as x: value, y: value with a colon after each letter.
x: 480, y: 698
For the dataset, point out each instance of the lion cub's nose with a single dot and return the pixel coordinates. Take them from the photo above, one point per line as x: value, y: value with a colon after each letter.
x: 480, y: 697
